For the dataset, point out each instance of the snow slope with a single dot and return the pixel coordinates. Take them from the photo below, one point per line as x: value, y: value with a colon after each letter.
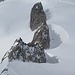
x: 14, y: 23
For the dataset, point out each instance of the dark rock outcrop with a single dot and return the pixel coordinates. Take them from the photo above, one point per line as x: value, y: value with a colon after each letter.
x: 4, y: 71
x: 33, y: 51
x: 37, y: 16
x: 41, y: 37
x: 38, y: 21
x: 25, y: 52
x: 2, y: 0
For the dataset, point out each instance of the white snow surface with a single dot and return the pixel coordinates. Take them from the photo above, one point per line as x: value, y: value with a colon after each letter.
x: 14, y: 23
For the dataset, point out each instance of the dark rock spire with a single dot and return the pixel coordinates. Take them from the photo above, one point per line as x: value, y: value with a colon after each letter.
x: 37, y: 16
x: 38, y: 21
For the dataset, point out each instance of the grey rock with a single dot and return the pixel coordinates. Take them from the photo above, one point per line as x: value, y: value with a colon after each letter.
x: 4, y: 71
x: 38, y: 21
x: 37, y: 16
x: 26, y: 52
x: 2, y: 0
x: 42, y: 37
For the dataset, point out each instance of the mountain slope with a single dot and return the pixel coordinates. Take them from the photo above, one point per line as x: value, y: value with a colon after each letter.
x: 14, y: 19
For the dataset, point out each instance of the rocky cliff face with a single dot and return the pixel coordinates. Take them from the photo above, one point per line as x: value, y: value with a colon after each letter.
x: 38, y: 21
x: 41, y: 37
x: 37, y: 16
x: 33, y: 51
x: 2, y: 0
x: 25, y: 52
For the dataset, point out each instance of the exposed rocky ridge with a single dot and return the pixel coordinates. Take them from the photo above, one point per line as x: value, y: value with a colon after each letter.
x: 25, y: 52
x: 2, y: 0
x: 33, y: 51
x: 41, y: 37
x: 38, y: 21
x: 37, y: 16
x: 5, y: 71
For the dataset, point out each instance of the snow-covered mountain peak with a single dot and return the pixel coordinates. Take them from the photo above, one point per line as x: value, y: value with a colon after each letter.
x: 14, y: 23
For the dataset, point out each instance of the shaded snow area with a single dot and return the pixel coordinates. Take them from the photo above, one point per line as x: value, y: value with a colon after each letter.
x: 14, y: 23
